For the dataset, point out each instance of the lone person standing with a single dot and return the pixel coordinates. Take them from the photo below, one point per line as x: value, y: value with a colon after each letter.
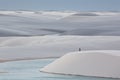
x: 79, y: 49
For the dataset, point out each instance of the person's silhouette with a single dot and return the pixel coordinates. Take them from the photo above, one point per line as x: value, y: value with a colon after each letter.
x: 79, y: 49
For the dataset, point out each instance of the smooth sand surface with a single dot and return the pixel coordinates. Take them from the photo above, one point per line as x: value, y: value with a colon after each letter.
x: 105, y: 63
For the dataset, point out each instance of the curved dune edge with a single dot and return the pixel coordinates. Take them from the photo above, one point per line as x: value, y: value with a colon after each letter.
x: 3, y: 72
x: 25, y: 59
x: 87, y: 63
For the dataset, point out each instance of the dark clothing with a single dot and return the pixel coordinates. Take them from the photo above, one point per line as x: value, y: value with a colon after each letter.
x: 79, y: 49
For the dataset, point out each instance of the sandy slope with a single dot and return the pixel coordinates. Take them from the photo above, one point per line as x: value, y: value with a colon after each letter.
x: 13, y: 48
x: 87, y: 63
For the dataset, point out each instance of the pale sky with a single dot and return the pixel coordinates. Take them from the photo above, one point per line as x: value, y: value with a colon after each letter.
x: 81, y: 5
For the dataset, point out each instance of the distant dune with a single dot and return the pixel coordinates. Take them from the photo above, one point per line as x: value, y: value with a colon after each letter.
x: 39, y: 23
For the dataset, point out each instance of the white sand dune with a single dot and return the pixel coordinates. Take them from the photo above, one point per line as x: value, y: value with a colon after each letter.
x: 87, y: 63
